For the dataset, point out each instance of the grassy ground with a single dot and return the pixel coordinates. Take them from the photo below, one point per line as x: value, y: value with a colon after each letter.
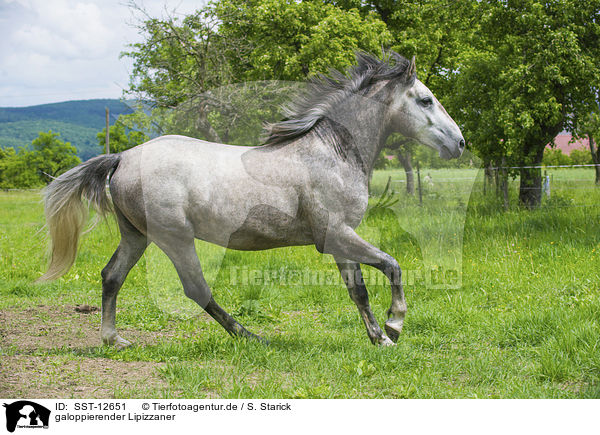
x: 524, y: 321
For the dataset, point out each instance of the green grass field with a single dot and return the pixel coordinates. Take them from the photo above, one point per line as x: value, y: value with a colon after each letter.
x: 520, y: 320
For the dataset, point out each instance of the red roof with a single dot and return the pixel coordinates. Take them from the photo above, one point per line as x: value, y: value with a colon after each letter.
x: 564, y: 142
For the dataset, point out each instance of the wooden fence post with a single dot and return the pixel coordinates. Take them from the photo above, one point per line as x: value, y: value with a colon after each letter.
x: 419, y: 184
x: 504, y: 183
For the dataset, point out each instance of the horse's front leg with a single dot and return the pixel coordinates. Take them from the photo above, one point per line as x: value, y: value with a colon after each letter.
x: 352, y: 276
x: 347, y: 244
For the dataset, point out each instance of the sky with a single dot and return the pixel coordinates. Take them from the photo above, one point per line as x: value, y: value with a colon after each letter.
x: 60, y: 50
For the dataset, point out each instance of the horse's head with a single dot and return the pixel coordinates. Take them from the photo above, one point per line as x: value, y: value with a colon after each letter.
x: 415, y: 113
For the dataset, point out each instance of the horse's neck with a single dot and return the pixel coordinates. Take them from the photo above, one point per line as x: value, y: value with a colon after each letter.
x: 366, y: 132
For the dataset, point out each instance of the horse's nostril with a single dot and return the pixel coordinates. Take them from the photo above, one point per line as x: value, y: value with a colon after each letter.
x: 461, y: 144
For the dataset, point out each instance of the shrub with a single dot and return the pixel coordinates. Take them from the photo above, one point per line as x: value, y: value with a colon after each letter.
x: 581, y: 157
x: 555, y: 157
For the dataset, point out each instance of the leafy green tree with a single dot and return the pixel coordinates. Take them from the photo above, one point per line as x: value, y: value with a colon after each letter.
x: 181, y: 62
x: 589, y: 127
x: 581, y: 157
x: 513, y: 73
x: 28, y: 168
x: 50, y: 156
x: 177, y: 61
x: 555, y: 157
x: 4, y: 153
x: 15, y: 173
x: 529, y: 73
x: 127, y: 131
x: 292, y: 40
x: 436, y: 32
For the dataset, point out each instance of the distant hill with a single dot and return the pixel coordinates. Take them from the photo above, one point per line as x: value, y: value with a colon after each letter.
x: 77, y: 122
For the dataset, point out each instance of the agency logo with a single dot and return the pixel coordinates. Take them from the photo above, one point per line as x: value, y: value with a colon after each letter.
x: 24, y: 414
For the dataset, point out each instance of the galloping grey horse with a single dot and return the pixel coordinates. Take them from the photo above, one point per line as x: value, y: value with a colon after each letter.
x: 307, y: 185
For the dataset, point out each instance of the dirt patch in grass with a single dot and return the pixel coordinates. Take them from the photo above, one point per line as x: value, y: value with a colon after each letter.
x: 29, y: 367
x: 54, y: 327
x: 62, y: 376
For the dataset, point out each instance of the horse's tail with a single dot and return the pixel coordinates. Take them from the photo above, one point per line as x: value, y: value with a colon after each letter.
x: 66, y: 214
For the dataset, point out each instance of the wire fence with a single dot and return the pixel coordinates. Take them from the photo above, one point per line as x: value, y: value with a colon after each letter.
x: 23, y: 189
x: 560, y: 186
x: 590, y: 165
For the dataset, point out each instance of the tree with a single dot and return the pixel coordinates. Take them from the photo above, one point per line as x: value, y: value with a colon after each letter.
x: 127, y: 131
x: 531, y: 72
x: 50, y: 156
x: 26, y: 168
x: 555, y: 157
x: 292, y: 40
x: 580, y: 157
x: 4, y: 156
x: 595, y: 151
x: 590, y: 126
x: 435, y: 31
x: 404, y: 155
x: 404, y: 150
x: 15, y: 172
x: 179, y: 61
x: 183, y: 62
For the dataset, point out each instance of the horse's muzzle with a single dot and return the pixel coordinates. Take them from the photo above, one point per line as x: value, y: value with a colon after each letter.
x: 453, y: 152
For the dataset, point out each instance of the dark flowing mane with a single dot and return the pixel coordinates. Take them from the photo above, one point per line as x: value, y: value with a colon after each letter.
x: 324, y: 93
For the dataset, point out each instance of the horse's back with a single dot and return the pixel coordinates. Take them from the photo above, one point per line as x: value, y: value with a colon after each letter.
x: 183, y: 149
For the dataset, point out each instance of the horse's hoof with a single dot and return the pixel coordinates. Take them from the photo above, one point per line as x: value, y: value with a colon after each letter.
x: 244, y: 334
x: 264, y: 341
x: 385, y: 341
x: 393, y: 329
x: 259, y: 339
x: 120, y: 343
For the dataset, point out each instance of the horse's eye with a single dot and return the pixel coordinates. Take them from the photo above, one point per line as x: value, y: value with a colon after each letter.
x: 426, y: 102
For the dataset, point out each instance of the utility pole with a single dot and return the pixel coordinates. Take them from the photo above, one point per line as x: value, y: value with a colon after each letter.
x: 107, y: 133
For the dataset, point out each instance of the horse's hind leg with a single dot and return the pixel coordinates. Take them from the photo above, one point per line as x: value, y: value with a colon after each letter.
x: 130, y: 249
x: 229, y: 323
x: 184, y: 257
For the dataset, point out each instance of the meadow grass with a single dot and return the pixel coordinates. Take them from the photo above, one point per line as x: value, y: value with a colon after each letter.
x: 521, y: 320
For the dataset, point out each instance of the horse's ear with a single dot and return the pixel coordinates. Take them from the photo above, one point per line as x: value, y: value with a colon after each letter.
x: 410, y: 75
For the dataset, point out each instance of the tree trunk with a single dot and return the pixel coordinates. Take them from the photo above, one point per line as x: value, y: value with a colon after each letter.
x: 203, y: 125
x: 595, y: 157
x: 405, y: 159
x: 530, y: 190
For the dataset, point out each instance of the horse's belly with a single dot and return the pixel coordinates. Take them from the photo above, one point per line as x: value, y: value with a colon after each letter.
x: 264, y: 227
